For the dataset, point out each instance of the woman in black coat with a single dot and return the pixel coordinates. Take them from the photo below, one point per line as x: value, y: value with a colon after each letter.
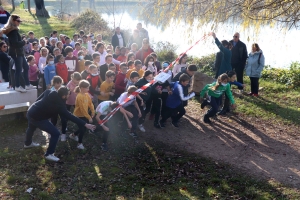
x: 4, y: 61
x: 11, y: 29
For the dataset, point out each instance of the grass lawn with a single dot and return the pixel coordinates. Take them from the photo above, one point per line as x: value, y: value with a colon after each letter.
x: 41, y: 26
x: 148, y: 170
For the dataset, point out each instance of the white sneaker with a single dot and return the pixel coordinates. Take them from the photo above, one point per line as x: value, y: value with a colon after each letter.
x: 52, y: 157
x: 63, y: 137
x: 31, y: 145
x: 20, y: 89
x: 73, y: 137
x: 80, y: 146
x: 141, y: 127
x: 29, y: 87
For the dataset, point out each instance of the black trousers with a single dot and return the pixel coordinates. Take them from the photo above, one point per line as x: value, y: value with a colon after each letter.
x: 239, y: 70
x: 144, y: 112
x: 81, y: 130
x: 174, y: 113
x: 226, y: 105
x: 254, y: 85
x: 134, y: 120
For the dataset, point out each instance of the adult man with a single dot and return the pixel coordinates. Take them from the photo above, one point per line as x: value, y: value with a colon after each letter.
x: 239, y: 57
x: 4, y: 15
x: 144, y: 51
x: 118, y: 39
x: 143, y: 33
x: 48, y: 105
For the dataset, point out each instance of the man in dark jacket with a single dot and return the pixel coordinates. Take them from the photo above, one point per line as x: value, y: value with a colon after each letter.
x: 190, y: 71
x: 48, y: 105
x: 4, y: 16
x: 239, y: 57
x: 118, y: 39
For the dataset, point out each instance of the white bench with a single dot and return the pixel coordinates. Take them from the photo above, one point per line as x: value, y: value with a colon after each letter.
x: 15, y: 108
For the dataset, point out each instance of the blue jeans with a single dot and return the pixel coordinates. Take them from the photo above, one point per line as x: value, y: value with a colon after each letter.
x: 44, y: 125
x: 21, y: 63
x: 215, y: 104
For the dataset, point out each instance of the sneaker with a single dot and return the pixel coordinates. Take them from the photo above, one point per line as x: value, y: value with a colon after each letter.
x: 52, y: 157
x: 20, y: 89
x: 73, y: 137
x: 157, y: 125
x: 250, y: 93
x: 151, y: 117
x: 255, y: 95
x: 133, y: 135
x: 162, y: 125
x: 175, y: 124
x: 141, y: 127
x: 29, y: 87
x: 204, y: 103
x: 80, y: 146
x: 206, y: 119
x: 31, y: 145
x: 104, y: 147
x: 63, y: 137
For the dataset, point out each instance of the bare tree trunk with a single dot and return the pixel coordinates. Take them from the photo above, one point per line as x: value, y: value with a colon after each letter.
x: 13, y: 4
x: 28, y: 6
x: 40, y: 8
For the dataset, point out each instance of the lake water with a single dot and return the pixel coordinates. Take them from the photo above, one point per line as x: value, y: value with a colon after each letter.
x: 280, y: 47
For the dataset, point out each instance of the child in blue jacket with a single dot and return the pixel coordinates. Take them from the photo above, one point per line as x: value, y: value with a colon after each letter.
x: 174, y: 106
x: 49, y: 71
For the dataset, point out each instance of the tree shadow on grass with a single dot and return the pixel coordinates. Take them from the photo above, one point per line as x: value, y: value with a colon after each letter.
x: 272, y: 107
x: 43, y: 21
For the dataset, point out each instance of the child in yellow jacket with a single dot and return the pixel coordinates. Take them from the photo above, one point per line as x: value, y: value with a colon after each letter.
x: 82, y: 105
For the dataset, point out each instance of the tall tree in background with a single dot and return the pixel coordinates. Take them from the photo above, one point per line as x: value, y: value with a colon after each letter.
x: 40, y: 8
x: 255, y: 12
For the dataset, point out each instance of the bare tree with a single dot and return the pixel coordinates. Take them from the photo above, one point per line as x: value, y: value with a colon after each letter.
x: 28, y: 6
x: 40, y: 8
x: 13, y: 5
x: 286, y: 12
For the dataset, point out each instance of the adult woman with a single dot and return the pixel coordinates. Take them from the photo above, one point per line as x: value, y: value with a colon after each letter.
x: 224, y: 47
x: 4, y: 61
x: 254, y: 67
x: 181, y: 64
x: 11, y: 29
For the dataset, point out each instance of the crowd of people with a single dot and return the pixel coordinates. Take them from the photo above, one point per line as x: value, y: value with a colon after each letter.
x: 83, y: 79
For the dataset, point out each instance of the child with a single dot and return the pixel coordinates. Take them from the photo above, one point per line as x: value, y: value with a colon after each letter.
x: 102, y: 110
x: 232, y: 81
x: 77, y: 49
x: 134, y: 48
x: 137, y: 68
x: 56, y: 52
x: 31, y: 38
x: 178, y: 67
x: 133, y: 79
x: 35, y: 52
x: 96, y: 60
x: 117, y: 52
x: 61, y: 68
x: 122, y: 57
x: 80, y: 62
x: 215, y: 91
x: 42, y: 65
x: 85, y: 73
x: 121, y: 80
x: 149, y: 65
x: 72, y: 84
x: 130, y: 64
x: 112, y: 67
x: 94, y: 81
x: 156, y: 62
x: 56, y: 83
x: 132, y: 107
x: 174, y: 106
x: 82, y: 105
x: 130, y: 57
x: 49, y: 71
x: 71, y: 61
x: 106, y: 88
x: 33, y: 71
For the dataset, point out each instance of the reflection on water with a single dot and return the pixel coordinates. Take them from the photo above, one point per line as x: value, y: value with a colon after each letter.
x: 280, y: 47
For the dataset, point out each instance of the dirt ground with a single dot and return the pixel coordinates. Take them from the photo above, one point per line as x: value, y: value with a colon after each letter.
x: 268, y: 151
x: 263, y: 149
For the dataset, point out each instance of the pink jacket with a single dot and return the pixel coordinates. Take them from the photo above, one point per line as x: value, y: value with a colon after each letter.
x: 33, y: 73
x: 72, y: 98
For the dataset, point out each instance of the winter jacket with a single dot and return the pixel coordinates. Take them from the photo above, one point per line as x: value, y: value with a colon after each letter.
x: 49, y: 73
x: 142, y: 54
x: 218, y: 92
x: 226, y: 60
x: 15, y: 41
x: 121, y: 82
x: 177, y: 96
x: 255, y: 64
x: 115, y: 40
x: 239, y: 53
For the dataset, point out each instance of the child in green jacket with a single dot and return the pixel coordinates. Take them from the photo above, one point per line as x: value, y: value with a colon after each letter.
x: 215, y: 91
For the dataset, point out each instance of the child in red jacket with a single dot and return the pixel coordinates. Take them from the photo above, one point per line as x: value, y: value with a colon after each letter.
x: 62, y: 69
x: 121, y: 80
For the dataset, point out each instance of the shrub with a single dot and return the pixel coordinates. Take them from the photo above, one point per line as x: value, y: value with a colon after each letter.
x: 205, y: 63
x: 290, y: 77
x: 91, y: 22
x: 165, y: 51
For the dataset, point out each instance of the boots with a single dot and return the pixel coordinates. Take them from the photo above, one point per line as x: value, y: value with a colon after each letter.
x: 206, y: 119
x: 204, y: 103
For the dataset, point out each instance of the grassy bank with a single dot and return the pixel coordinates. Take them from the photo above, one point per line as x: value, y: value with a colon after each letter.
x: 148, y: 170
x: 41, y: 26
